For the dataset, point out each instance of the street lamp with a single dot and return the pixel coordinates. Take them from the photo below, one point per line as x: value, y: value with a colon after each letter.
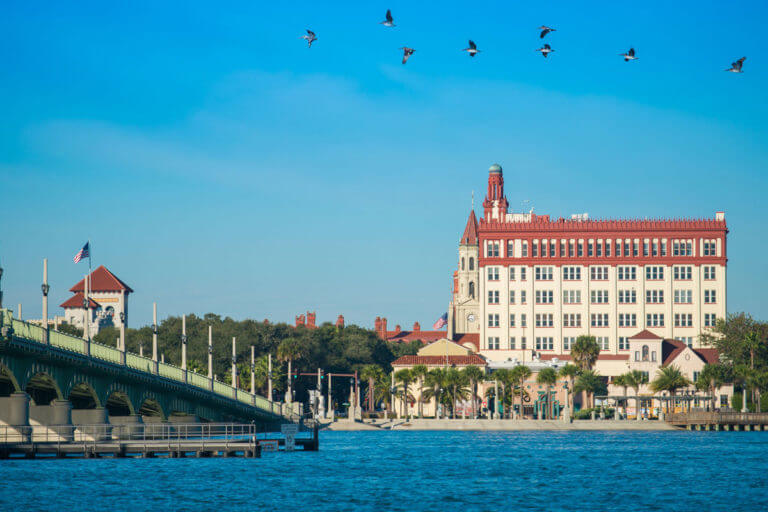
x: 1, y: 291
x: 45, y: 288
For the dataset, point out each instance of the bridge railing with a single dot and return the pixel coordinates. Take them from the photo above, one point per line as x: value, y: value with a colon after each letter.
x: 36, y: 333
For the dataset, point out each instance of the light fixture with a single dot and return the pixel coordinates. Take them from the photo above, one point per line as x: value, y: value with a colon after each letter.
x: 45, y: 288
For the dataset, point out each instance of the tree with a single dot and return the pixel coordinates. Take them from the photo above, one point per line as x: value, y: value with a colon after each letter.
x: 548, y: 377
x: 585, y: 351
x: 569, y: 371
x: 372, y: 374
x: 436, y: 383
x: 623, y: 381
x: 457, y: 387
x: 590, y: 382
x: 635, y: 379
x: 419, y: 373
x: 712, y: 378
x: 404, y: 378
x: 670, y: 379
x: 519, y: 375
x: 474, y: 375
x: 289, y: 350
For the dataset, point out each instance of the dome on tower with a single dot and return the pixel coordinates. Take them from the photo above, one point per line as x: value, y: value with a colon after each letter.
x: 495, y: 168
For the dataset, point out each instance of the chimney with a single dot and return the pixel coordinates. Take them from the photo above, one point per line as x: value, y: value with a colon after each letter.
x: 384, y: 328
x: 311, y: 319
x: 266, y: 322
x: 397, y: 329
x: 299, y: 320
x: 340, y: 321
x: 416, y: 327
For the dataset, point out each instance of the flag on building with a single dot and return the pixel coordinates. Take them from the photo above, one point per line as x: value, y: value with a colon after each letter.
x: 441, y: 322
x: 83, y: 253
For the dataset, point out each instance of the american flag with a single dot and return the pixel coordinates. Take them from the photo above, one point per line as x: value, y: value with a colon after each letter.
x: 83, y: 253
x: 441, y: 322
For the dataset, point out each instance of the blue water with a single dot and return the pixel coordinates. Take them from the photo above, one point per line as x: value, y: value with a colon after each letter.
x: 421, y: 471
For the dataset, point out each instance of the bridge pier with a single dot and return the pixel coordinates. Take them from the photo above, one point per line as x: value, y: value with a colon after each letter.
x: 53, y: 421
x: 127, y: 427
x: 96, y: 416
x: 14, y: 411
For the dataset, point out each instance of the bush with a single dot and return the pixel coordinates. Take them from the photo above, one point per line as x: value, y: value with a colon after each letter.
x: 586, y: 414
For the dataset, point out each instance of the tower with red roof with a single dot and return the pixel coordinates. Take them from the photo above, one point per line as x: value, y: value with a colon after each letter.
x: 107, y: 304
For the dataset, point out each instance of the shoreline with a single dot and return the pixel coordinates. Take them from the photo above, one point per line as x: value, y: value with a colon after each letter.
x: 495, y: 425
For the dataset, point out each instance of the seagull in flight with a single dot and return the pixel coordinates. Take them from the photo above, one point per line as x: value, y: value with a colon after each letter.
x: 545, y: 50
x: 545, y: 30
x: 407, y: 52
x: 472, y: 50
x: 389, y: 22
x: 630, y: 55
x: 310, y: 37
x: 736, y: 66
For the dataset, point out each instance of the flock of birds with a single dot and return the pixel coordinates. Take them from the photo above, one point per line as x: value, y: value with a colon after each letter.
x: 472, y: 50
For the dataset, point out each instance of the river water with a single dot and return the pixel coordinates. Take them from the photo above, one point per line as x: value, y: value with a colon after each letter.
x: 421, y: 471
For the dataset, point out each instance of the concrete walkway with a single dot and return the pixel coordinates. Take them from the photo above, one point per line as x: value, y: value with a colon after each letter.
x: 490, y: 425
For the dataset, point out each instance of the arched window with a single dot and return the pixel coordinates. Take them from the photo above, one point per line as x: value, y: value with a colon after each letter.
x: 645, y: 352
x: 471, y: 287
x: 462, y: 263
x: 471, y: 263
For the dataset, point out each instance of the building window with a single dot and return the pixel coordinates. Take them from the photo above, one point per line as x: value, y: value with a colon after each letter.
x: 524, y: 249
x: 552, y: 249
x: 653, y: 356
x: 562, y: 248
x: 571, y: 320
x: 683, y: 320
x: 645, y: 352
x: 709, y: 297
x: 512, y: 343
x: 654, y: 320
x: 709, y: 319
x: 471, y: 263
x: 623, y: 343
x: 696, y: 376
x: 654, y: 273
x: 688, y: 340
x: 683, y: 296
x: 510, y: 249
x: 522, y: 274
x: 568, y: 342
x: 627, y: 273
x: 493, y: 342
x: 545, y: 343
x: 709, y: 272
x: 462, y: 263
x: 511, y: 296
x: 571, y: 251
x: 493, y: 320
x: 544, y: 320
x: 523, y: 297
x: 599, y: 296
x: 571, y: 296
x: 598, y: 248
x: 599, y: 320
x: 571, y: 273
x: 493, y: 273
x: 535, y: 249
x: 627, y: 297
x: 607, y: 248
x: 511, y: 273
x: 603, y: 342
x: 710, y: 248
x: 580, y: 252
x: 627, y: 320
x: 471, y: 290
x: 682, y: 273
x: 544, y: 297
x: 654, y: 296
x: 663, y: 248
x: 493, y: 296
x: 598, y: 273
x: 512, y: 320
x: 523, y: 323
x: 543, y: 273
x: 635, y: 248
x: 645, y: 248
x: 522, y: 342
x: 655, y: 248
x: 590, y: 251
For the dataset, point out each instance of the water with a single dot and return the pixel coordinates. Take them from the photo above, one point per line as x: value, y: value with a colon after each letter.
x: 421, y: 471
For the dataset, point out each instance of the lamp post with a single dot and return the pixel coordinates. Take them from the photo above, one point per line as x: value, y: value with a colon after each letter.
x: 45, y: 289
x: 234, y: 365
x: 122, y: 331
x: 253, y: 370
x: 184, y: 342
x: 269, y: 376
x: 1, y: 288
x: 154, y: 335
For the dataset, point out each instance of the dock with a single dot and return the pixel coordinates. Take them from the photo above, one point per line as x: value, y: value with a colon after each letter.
x: 703, y: 420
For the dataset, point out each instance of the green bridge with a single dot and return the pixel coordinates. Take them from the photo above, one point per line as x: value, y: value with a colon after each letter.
x: 49, y: 378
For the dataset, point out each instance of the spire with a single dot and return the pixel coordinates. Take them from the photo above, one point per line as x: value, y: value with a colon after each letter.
x: 495, y: 204
x: 470, y: 232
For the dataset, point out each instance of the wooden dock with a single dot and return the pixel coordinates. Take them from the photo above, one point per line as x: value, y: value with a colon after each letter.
x: 701, y: 420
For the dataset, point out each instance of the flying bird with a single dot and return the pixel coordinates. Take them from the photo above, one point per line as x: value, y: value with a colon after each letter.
x: 736, y: 66
x: 545, y: 50
x: 630, y: 55
x: 545, y: 30
x: 389, y: 22
x: 407, y: 52
x: 472, y: 50
x: 310, y: 37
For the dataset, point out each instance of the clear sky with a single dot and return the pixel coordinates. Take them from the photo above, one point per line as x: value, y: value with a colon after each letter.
x: 218, y: 164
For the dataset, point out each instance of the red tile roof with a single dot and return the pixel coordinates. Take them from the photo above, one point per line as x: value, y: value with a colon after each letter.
x: 601, y: 357
x: 645, y: 334
x: 543, y: 223
x: 102, y: 280
x: 76, y: 301
x: 470, y: 231
x: 472, y: 359
x: 710, y: 355
x: 670, y: 349
x: 425, y: 336
x: 473, y: 338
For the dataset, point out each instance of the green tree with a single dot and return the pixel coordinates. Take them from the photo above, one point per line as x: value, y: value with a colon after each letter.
x: 404, y: 378
x: 435, y: 382
x: 419, y: 373
x: 474, y: 375
x: 570, y: 372
x: 289, y: 350
x: 518, y: 376
x: 712, y: 378
x: 457, y: 387
x: 585, y: 351
x: 670, y: 379
x: 591, y: 383
x: 635, y: 379
x: 548, y: 377
x: 623, y: 381
x: 373, y: 375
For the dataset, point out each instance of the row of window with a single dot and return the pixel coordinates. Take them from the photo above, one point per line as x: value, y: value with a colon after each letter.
x: 601, y: 320
x: 548, y: 343
x: 601, y: 297
x: 600, y: 273
x: 598, y: 248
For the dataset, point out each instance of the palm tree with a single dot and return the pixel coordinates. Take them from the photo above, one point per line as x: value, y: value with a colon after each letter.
x: 435, y: 382
x: 457, y: 388
x: 548, y: 377
x: 711, y: 378
x: 623, y: 381
x: 506, y: 381
x: 290, y: 349
x: 372, y: 374
x: 419, y: 374
x: 404, y: 378
x: 585, y: 352
x: 474, y: 375
x: 569, y: 371
x: 589, y: 382
x: 519, y: 375
x: 670, y: 379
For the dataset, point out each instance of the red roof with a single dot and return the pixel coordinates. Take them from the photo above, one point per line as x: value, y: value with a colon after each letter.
x: 601, y: 357
x: 425, y: 336
x: 470, y: 232
x: 670, y: 349
x: 473, y: 338
x: 543, y: 223
x: 472, y: 359
x: 645, y: 334
x: 102, y: 280
x: 710, y: 355
x: 76, y: 301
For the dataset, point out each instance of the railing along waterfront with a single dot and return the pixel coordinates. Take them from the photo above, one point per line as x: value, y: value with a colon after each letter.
x: 35, y: 333
x: 718, y: 418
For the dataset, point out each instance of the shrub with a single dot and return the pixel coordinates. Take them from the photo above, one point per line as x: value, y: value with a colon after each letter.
x: 586, y: 414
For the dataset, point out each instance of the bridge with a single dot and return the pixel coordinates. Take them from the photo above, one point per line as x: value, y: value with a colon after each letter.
x: 50, y: 380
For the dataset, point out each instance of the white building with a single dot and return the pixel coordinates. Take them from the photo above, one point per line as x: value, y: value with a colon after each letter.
x: 108, y: 302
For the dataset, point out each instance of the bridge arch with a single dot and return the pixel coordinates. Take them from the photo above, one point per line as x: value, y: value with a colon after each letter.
x: 8, y: 382
x: 119, y: 403
x: 43, y: 389
x: 151, y: 406
x: 82, y: 395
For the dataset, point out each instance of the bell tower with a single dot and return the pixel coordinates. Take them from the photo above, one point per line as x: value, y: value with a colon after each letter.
x: 465, y: 304
x: 495, y: 205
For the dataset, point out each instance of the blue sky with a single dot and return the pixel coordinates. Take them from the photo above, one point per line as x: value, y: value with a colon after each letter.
x: 217, y: 164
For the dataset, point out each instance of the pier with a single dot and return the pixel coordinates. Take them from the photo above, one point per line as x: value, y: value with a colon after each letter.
x: 702, y: 420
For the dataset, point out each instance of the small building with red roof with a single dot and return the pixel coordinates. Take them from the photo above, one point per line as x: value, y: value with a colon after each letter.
x: 107, y: 301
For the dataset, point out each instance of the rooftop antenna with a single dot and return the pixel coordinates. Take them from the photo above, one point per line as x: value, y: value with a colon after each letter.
x: 473, y: 199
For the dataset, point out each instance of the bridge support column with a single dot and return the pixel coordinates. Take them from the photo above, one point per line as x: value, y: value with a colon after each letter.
x: 126, y: 427
x: 14, y: 410
x: 92, y: 423
x: 55, y: 420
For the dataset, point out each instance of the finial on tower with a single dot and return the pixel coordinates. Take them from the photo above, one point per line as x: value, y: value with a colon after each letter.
x: 473, y: 199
